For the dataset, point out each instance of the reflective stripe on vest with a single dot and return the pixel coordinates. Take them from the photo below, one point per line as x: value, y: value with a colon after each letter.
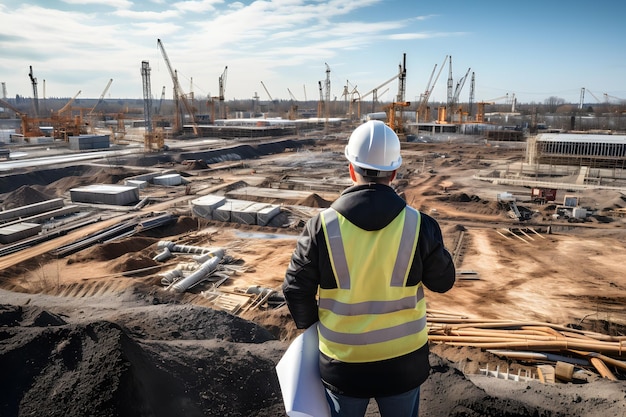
x: 385, y: 318
x: 338, y: 258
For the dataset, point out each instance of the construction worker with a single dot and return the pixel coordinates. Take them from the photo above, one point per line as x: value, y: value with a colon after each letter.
x: 359, y: 270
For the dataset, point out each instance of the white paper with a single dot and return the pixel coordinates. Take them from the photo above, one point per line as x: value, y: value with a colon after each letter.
x: 299, y: 377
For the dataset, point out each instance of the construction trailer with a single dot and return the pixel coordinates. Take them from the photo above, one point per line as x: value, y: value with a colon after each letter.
x: 543, y: 195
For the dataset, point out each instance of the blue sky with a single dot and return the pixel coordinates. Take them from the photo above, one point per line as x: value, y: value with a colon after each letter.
x: 533, y: 49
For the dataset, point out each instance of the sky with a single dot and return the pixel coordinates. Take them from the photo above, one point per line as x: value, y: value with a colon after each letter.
x: 534, y: 50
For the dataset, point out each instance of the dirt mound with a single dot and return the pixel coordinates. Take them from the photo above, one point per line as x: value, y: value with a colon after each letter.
x: 113, y: 250
x: 101, y: 368
x: 314, y: 200
x: 135, y: 264
x: 24, y: 196
x: 168, y: 360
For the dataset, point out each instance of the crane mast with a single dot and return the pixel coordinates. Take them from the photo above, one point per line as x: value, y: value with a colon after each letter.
x: 33, y: 81
x: 101, y: 99
x: 147, y: 95
x: 450, y: 83
x: 158, y: 110
x: 374, y: 91
x: 470, y: 104
x: 327, y: 90
x: 222, y: 88
x: 422, y: 109
x: 402, y: 80
x: 320, y: 103
x: 457, y: 93
x: 178, y: 93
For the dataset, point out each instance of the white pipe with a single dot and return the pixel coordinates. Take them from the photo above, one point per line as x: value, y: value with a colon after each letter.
x: 206, y: 256
x: 201, y: 273
x: 184, y: 248
x: 166, y: 254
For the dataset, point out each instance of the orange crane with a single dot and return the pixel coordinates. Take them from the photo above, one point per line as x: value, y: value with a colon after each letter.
x: 422, y: 107
x: 480, y: 114
x: 394, y: 121
x: 178, y: 95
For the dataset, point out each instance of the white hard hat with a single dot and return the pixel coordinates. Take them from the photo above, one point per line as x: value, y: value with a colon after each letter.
x: 374, y: 146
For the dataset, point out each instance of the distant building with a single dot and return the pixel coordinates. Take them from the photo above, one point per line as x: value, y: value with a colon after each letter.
x: 590, y: 150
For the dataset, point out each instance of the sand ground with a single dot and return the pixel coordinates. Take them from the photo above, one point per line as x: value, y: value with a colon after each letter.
x: 97, y: 331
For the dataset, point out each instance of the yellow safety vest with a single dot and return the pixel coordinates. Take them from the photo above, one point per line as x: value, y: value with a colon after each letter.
x: 372, y: 314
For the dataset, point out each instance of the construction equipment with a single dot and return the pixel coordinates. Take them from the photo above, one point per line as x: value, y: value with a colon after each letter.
x: 90, y: 115
x: 455, y: 97
x: 267, y: 92
x: 327, y: 93
x: 422, y: 108
x: 608, y: 98
x: 394, y: 116
x: 582, y: 97
x: 147, y: 95
x: 374, y: 91
x: 268, y: 95
x: 101, y: 99
x: 402, y: 81
x: 470, y: 104
x: 480, y: 113
x: 293, y: 108
x: 222, y: 88
x: 293, y: 98
x: 158, y: 109
x: 33, y: 81
x: 178, y: 95
x: 320, y: 103
x: 152, y: 140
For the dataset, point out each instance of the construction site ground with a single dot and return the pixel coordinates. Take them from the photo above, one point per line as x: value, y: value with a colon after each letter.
x: 96, y: 333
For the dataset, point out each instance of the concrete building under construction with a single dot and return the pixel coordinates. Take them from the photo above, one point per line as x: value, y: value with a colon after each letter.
x: 590, y: 150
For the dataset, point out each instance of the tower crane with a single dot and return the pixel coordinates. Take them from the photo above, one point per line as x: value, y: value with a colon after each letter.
x: 327, y: 90
x: 158, y: 109
x: 178, y: 94
x: 402, y: 81
x: 470, y: 104
x: 222, y: 88
x: 582, y: 97
x: 33, y: 81
x: 147, y: 95
x: 608, y: 97
x: 422, y: 108
x: 374, y: 91
x: 320, y: 103
x: 152, y: 141
x: 293, y: 109
x: 457, y: 91
x: 68, y: 105
x: 450, y: 84
x: 480, y: 114
x: 267, y: 92
x: 101, y: 99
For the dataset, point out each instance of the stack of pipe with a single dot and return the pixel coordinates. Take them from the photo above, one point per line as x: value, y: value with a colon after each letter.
x: 523, y: 340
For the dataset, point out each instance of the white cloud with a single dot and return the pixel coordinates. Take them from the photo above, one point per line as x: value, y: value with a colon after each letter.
x: 117, y: 4
x: 197, y: 6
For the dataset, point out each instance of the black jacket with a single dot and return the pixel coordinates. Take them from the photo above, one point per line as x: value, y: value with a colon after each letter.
x: 370, y: 207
